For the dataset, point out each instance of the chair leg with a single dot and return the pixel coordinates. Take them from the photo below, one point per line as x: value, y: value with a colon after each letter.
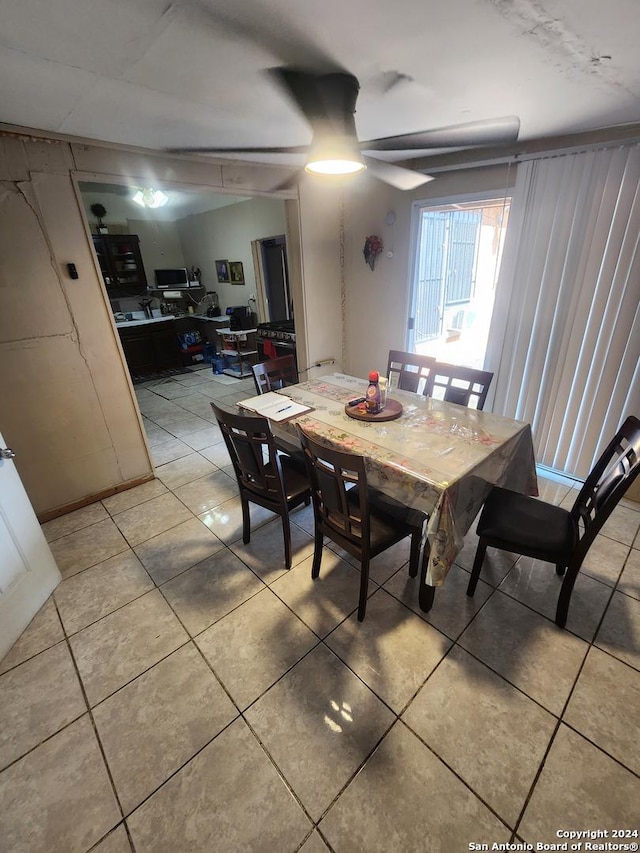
x: 246, y: 521
x: 562, y: 610
x: 286, y: 530
x: 414, y: 558
x: 426, y: 593
x: 426, y: 596
x: 560, y: 569
x: 317, y: 554
x: 364, y: 588
x: 477, y: 565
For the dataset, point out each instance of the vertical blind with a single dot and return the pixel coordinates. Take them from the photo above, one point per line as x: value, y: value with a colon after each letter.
x: 565, y: 337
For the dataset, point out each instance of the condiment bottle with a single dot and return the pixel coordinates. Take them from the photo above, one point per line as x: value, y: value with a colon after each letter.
x: 372, y: 396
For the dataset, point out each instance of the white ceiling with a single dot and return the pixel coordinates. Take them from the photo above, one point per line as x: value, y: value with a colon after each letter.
x: 177, y: 73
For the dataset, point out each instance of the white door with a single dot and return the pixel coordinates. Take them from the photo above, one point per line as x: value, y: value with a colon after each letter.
x: 28, y: 573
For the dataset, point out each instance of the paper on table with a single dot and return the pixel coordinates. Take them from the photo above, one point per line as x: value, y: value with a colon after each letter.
x: 274, y: 406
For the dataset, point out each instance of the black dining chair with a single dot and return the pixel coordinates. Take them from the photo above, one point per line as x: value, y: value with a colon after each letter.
x: 524, y: 525
x: 275, y: 373
x: 343, y: 512
x: 465, y: 386
x: 409, y: 371
x: 264, y: 476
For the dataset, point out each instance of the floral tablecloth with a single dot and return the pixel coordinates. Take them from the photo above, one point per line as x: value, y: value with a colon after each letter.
x: 438, y: 457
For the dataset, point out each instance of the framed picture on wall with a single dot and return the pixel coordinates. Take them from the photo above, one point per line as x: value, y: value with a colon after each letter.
x: 236, y: 272
x: 222, y: 268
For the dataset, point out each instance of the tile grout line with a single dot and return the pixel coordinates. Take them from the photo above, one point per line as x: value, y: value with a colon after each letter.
x: 92, y: 720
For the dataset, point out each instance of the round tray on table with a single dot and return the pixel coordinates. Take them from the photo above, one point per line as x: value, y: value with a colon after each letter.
x: 391, y: 411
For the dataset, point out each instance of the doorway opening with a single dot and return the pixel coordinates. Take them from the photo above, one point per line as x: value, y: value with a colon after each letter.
x: 272, y: 279
x: 456, y: 266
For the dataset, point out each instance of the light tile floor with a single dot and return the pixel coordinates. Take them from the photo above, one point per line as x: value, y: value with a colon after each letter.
x: 181, y: 691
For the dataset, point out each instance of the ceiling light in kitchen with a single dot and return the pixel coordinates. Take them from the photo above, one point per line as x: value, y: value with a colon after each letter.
x: 147, y: 197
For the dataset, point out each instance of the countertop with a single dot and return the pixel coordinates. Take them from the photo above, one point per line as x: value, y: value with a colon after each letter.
x: 145, y: 321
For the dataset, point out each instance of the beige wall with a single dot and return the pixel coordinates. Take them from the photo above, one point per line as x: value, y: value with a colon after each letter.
x: 68, y: 407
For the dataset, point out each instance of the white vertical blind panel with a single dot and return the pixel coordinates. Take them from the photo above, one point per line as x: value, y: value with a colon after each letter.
x: 567, y: 304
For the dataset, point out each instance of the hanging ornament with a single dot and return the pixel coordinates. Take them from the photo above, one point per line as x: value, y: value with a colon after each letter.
x: 372, y: 248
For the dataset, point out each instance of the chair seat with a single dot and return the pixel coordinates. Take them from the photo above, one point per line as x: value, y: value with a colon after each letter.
x: 530, y: 526
x: 296, y: 483
x: 406, y: 515
x: 384, y: 530
x: 546, y: 532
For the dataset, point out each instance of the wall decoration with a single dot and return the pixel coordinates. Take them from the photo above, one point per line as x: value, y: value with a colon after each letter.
x: 372, y: 248
x: 236, y: 272
x: 222, y: 268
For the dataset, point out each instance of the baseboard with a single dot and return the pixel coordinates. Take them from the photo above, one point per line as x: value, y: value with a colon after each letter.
x: 89, y: 499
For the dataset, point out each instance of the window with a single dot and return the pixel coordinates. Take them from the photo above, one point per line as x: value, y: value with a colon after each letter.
x: 458, y: 254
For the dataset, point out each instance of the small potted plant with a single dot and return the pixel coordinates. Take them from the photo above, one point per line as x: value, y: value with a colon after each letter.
x: 100, y: 211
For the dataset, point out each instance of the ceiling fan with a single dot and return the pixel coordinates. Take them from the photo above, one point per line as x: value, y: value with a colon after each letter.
x: 328, y: 102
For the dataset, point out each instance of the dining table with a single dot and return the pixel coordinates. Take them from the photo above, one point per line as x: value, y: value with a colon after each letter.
x: 436, y: 457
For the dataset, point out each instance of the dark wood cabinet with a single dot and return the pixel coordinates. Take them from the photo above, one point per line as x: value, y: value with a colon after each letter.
x: 150, y: 348
x: 121, y: 263
x: 166, y: 350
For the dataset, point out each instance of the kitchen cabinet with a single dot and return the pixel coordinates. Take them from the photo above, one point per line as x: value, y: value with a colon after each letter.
x: 150, y: 348
x: 121, y: 263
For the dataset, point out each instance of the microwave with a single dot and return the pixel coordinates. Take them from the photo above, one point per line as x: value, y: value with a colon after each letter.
x: 174, y: 278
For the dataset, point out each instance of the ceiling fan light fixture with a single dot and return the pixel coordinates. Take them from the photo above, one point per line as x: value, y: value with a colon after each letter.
x: 148, y: 197
x: 334, y: 155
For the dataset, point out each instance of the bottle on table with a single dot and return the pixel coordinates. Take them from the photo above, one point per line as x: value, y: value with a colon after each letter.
x: 383, y: 383
x: 372, y: 396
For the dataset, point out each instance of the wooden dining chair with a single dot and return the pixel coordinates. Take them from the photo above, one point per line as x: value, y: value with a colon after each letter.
x: 343, y: 512
x: 465, y: 386
x: 265, y: 477
x: 275, y: 373
x: 524, y: 525
x: 409, y: 371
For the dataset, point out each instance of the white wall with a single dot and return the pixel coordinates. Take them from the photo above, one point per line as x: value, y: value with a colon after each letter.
x: 377, y: 302
x: 160, y: 246
x: 226, y: 234
x: 321, y: 215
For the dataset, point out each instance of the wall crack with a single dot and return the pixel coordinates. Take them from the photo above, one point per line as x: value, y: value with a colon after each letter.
x: 25, y: 189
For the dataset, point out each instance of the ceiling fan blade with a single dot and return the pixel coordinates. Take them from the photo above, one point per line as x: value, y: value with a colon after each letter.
x: 498, y: 131
x: 293, y: 149
x: 254, y: 21
x: 327, y: 99
x: 396, y: 176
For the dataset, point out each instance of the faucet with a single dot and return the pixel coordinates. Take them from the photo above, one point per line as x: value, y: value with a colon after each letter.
x: 145, y: 304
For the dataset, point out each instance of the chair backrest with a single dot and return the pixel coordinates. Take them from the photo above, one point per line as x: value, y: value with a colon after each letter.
x: 253, y: 454
x: 331, y: 474
x: 410, y: 371
x: 609, y: 479
x: 275, y: 373
x: 465, y: 386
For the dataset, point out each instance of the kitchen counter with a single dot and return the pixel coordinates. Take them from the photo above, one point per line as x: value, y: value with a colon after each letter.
x: 145, y: 322
x: 142, y: 321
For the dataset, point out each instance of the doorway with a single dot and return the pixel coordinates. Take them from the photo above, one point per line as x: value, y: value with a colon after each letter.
x: 272, y: 278
x: 457, y: 261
